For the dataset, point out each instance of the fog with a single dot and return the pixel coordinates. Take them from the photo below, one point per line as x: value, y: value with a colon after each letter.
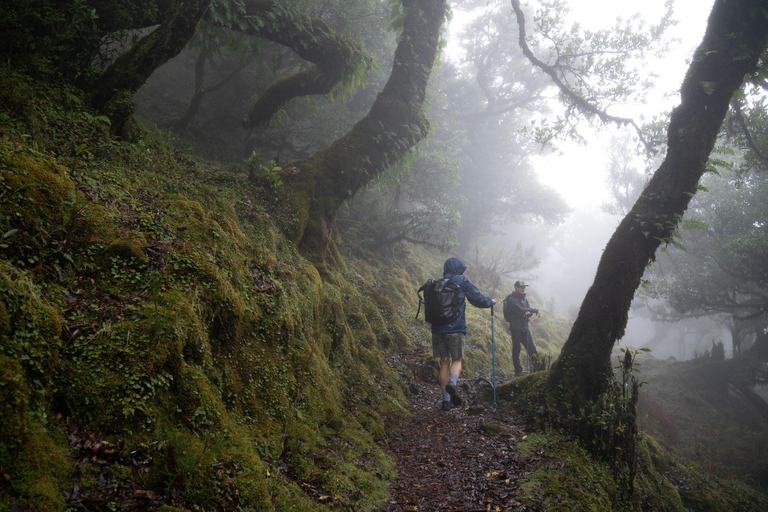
x: 512, y: 189
x: 570, y: 251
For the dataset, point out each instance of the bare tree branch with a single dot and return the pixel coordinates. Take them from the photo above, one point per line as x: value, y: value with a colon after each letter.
x: 583, y: 105
x: 201, y: 90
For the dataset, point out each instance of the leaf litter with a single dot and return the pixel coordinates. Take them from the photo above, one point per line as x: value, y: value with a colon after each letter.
x: 465, y: 459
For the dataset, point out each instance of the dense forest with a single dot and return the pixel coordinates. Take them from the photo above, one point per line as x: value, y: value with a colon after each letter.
x: 215, y: 215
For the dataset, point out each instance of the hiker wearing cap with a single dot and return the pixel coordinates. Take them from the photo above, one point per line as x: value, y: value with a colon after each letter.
x: 448, y: 339
x: 517, y: 311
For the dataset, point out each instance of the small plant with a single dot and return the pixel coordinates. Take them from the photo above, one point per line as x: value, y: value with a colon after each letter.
x: 269, y: 172
x: 541, y: 362
x: 6, y: 235
x: 611, y: 420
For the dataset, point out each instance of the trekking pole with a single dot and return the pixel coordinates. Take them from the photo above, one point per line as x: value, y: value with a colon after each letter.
x: 528, y: 347
x: 493, y: 356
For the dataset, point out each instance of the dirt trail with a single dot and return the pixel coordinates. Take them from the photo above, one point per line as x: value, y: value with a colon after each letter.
x: 460, y: 460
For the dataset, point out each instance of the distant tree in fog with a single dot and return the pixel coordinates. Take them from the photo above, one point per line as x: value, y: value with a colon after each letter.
x: 625, y: 181
x: 723, y: 268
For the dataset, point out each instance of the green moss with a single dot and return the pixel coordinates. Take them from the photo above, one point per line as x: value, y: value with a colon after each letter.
x: 35, y: 191
x: 129, y: 249
x: 94, y: 225
x: 38, y: 472
x: 31, y: 331
x: 571, y: 479
x: 35, y: 186
x: 35, y: 464
x: 199, y: 404
x: 192, y: 323
x: 656, y: 490
x: 114, y: 376
x: 14, y: 404
x: 651, y: 454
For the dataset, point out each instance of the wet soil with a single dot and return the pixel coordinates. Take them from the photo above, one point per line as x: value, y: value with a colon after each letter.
x: 465, y: 459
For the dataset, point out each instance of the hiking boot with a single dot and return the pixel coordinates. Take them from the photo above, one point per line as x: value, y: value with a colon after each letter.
x: 446, y: 405
x: 453, y: 390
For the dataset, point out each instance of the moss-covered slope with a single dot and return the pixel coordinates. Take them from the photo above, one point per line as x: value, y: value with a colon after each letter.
x: 149, y: 302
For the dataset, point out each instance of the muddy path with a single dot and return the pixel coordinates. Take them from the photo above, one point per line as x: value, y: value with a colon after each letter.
x: 465, y: 459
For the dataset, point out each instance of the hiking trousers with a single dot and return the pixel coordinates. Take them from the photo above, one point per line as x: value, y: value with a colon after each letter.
x: 521, y: 338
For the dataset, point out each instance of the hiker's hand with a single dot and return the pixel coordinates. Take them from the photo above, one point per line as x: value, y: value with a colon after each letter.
x: 493, y: 301
x: 528, y: 314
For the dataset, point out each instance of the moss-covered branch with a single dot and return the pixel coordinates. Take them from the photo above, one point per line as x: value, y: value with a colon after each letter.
x: 735, y: 38
x: 335, y: 58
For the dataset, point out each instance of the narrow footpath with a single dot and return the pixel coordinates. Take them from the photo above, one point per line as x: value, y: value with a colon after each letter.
x: 465, y: 459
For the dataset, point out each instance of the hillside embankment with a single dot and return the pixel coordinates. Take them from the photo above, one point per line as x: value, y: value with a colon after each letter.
x: 163, y: 347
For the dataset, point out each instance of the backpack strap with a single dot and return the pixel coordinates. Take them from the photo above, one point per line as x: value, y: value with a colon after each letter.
x: 421, y: 299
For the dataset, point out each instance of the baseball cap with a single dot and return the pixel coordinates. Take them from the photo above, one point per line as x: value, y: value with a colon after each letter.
x: 520, y: 284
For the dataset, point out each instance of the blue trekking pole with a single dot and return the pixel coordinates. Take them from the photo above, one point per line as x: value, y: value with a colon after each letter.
x: 493, y: 356
x: 528, y: 346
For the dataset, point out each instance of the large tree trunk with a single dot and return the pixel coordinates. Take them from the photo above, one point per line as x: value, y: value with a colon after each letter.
x: 317, y: 187
x: 734, y: 41
x: 129, y: 72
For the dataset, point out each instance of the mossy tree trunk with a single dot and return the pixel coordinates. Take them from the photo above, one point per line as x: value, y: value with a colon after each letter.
x: 318, y: 186
x: 735, y: 39
x: 129, y: 72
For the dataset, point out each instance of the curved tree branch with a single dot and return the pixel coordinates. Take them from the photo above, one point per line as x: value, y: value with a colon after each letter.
x: 393, y: 126
x: 334, y: 57
x: 583, y: 105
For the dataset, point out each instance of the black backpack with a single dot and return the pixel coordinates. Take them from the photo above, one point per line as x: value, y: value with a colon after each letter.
x: 441, y: 304
x: 508, y: 309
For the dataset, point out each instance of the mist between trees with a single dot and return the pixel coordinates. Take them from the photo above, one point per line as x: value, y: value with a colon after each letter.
x: 360, y: 133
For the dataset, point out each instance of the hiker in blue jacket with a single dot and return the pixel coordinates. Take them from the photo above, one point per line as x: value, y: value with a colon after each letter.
x: 521, y: 311
x: 448, y: 339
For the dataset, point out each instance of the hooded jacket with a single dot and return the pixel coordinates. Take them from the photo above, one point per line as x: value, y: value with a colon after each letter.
x: 453, y: 268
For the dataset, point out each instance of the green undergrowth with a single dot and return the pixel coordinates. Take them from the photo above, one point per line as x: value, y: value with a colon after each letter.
x: 577, y: 476
x: 716, y: 438
x: 568, y: 478
x: 150, y: 298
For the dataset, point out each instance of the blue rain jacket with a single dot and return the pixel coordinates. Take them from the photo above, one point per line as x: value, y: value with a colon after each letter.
x: 453, y: 268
